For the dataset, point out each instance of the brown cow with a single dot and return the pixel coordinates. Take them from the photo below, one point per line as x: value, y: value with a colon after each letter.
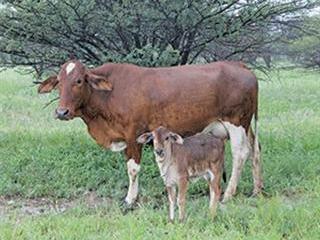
x: 119, y: 102
x: 179, y: 160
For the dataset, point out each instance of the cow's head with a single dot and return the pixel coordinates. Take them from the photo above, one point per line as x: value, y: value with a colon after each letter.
x: 162, y: 139
x: 74, y: 83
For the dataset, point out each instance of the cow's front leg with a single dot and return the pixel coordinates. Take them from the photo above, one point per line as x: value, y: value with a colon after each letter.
x: 133, y: 154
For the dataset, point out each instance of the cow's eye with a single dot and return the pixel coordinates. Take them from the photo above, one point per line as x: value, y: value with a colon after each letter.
x: 79, y: 81
x: 167, y: 138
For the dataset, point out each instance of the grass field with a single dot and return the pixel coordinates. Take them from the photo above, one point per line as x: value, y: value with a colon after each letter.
x: 44, y: 158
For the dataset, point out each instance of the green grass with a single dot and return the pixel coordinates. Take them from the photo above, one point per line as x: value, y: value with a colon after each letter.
x: 43, y: 157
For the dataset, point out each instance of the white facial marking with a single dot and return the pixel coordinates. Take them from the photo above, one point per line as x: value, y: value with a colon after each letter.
x: 70, y: 67
x: 118, y: 146
x: 133, y: 170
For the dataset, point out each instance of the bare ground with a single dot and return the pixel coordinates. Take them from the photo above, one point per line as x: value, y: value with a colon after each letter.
x: 45, y: 205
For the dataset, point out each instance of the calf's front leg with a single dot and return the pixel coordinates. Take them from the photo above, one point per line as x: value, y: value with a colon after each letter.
x: 182, y: 191
x: 171, y: 190
x: 133, y: 154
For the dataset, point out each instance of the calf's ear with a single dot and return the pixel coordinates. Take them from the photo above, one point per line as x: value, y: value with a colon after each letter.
x: 48, y: 85
x: 98, y: 82
x: 176, y: 138
x: 145, y: 138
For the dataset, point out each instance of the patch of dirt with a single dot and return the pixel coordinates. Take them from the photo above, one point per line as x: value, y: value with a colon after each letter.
x: 38, y: 206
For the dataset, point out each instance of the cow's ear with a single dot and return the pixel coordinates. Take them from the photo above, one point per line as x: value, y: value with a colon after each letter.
x: 145, y: 138
x: 98, y: 82
x: 48, y: 85
x: 176, y: 138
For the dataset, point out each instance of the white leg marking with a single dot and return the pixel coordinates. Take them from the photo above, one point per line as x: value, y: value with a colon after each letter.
x: 133, y: 170
x: 240, y: 148
x: 70, y: 67
x: 118, y: 146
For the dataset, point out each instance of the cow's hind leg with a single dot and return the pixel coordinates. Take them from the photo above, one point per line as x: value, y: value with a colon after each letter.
x: 240, y: 149
x: 256, y: 164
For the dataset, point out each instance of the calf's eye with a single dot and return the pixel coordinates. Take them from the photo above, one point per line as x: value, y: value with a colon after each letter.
x: 79, y: 81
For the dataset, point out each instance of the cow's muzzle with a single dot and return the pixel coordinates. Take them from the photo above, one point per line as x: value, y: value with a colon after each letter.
x: 63, y: 113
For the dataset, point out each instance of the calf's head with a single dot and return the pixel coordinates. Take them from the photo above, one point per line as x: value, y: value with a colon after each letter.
x: 75, y: 84
x: 162, y: 140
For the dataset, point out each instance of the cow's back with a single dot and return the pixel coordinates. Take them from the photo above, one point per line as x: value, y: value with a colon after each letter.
x: 187, y: 99
x: 184, y: 99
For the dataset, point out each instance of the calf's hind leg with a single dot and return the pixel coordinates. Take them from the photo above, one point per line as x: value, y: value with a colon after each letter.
x: 215, y: 192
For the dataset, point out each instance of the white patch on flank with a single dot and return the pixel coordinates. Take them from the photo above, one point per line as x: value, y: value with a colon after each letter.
x: 133, y: 170
x: 118, y: 146
x: 217, y: 129
x: 70, y: 67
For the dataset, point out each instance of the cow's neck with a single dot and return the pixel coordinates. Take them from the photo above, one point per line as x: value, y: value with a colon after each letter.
x: 100, y: 111
x: 97, y: 107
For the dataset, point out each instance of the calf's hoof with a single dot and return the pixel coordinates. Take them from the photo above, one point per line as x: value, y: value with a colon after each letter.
x: 226, y: 198
x: 182, y: 220
x: 171, y: 221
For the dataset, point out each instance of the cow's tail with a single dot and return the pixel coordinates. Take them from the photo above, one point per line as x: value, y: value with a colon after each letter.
x: 256, y: 147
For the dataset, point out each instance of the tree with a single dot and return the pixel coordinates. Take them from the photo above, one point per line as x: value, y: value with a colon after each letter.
x: 44, y: 33
x: 304, y: 49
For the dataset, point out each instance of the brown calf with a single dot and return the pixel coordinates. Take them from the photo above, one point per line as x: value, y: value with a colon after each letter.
x: 179, y: 160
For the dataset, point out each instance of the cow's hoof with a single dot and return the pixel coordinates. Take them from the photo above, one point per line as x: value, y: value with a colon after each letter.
x: 127, y: 207
x: 258, y: 193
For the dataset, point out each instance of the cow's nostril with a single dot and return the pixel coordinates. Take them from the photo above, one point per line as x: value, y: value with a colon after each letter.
x: 66, y: 112
x: 62, y: 112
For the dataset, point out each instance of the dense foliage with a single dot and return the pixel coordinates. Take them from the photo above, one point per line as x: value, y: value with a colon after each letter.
x: 44, y: 33
x: 304, y: 49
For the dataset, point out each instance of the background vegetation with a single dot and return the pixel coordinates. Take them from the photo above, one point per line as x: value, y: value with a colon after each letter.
x: 44, y: 34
